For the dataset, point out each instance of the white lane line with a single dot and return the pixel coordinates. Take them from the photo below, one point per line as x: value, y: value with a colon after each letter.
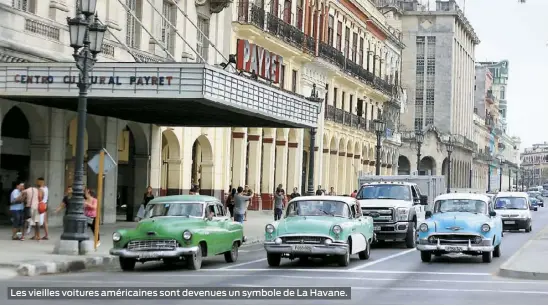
x: 490, y: 291
x: 349, y: 271
x: 374, y: 262
x: 241, y: 264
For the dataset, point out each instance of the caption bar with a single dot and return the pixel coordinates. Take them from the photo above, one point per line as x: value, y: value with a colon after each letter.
x: 127, y: 293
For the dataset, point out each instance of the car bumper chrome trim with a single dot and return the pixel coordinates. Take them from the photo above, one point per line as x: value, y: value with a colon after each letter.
x: 400, y: 227
x: 486, y: 245
x: 154, y: 254
x: 315, y: 249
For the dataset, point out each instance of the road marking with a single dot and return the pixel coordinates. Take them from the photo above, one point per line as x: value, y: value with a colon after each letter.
x: 241, y: 264
x: 490, y: 291
x: 349, y: 271
x: 374, y: 262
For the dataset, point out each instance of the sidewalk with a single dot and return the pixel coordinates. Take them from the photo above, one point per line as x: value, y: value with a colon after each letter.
x: 30, y: 258
x: 529, y: 261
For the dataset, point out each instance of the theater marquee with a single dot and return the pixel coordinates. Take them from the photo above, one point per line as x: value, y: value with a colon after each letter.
x: 255, y: 59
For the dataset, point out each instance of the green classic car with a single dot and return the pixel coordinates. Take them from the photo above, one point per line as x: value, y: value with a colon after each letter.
x: 320, y: 226
x: 177, y: 228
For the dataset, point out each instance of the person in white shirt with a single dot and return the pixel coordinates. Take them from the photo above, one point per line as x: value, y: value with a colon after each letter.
x: 41, y: 183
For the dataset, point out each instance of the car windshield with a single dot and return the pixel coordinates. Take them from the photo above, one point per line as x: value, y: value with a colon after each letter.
x: 174, y: 210
x: 384, y: 191
x: 318, y: 208
x: 511, y: 203
x: 460, y: 205
x: 533, y: 200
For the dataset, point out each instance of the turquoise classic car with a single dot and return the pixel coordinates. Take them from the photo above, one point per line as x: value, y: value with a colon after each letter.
x: 179, y: 228
x: 461, y: 223
x: 320, y: 226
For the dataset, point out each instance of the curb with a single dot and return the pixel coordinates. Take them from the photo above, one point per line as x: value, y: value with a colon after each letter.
x: 75, y: 265
x: 506, y: 271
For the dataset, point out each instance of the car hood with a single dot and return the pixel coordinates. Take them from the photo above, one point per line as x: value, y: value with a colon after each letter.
x: 166, y: 226
x: 318, y: 225
x: 383, y: 203
x: 510, y: 212
x: 465, y: 222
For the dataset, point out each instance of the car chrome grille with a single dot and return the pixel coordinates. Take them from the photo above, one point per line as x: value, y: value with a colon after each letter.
x: 510, y: 216
x: 302, y: 240
x: 453, y: 239
x: 151, y: 245
x: 385, y: 214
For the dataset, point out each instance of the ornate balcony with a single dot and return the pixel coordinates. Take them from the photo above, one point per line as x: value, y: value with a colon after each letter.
x: 345, y: 118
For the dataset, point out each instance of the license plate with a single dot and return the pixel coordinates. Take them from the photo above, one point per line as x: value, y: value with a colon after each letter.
x: 377, y: 228
x: 509, y: 222
x: 453, y: 249
x: 302, y: 248
x: 151, y: 254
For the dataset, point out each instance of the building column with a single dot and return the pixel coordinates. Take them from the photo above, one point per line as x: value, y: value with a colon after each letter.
x: 280, y: 177
x: 140, y: 181
x: 38, y: 161
x: 207, y: 175
x: 318, y: 163
x: 357, y: 169
x: 254, y: 168
x: 110, y: 192
x: 267, y: 178
x: 174, y: 167
x: 333, y: 170
x: 156, y: 160
x: 294, y: 169
x: 239, y: 157
x: 56, y: 175
x: 341, y: 179
x: 350, y: 186
x: 325, y: 169
x: 58, y: 10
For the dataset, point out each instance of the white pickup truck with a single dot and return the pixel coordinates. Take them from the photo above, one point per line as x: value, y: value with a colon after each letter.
x: 397, y: 208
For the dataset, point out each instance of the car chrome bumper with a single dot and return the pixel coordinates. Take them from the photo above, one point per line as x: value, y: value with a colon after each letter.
x: 314, y: 249
x: 177, y: 252
x: 486, y: 245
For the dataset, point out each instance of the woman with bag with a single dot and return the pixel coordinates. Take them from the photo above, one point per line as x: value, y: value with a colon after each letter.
x: 230, y: 202
x: 30, y: 196
x: 90, y: 210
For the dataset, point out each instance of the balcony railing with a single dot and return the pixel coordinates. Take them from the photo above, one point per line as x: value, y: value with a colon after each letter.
x: 252, y: 14
x: 345, y: 118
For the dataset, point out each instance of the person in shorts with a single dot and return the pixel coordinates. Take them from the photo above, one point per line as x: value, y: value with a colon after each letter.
x: 30, y: 196
x: 17, y: 210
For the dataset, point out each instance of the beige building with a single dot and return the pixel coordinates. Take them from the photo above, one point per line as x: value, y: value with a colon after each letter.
x: 534, y: 162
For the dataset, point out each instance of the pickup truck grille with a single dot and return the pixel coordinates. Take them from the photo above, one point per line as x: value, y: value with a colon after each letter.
x: 385, y: 214
x: 453, y: 239
x: 509, y: 216
x: 302, y: 240
x: 152, y: 245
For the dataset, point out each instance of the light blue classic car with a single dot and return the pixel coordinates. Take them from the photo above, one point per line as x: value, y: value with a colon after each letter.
x: 461, y: 223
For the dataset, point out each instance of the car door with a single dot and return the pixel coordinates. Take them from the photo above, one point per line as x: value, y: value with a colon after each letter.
x: 225, y: 231
x: 213, y: 229
x: 359, y: 226
x: 420, y: 210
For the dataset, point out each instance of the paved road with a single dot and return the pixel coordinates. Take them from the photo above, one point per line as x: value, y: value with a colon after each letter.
x: 393, y: 275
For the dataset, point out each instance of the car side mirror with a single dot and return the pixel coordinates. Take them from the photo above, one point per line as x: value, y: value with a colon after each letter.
x: 424, y: 200
x: 492, y: 213
x: 428, y: 214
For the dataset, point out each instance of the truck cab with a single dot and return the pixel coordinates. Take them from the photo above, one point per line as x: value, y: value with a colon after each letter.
x: 397, y: 208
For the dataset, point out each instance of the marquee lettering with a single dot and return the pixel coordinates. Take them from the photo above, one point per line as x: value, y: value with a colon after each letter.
x: 101, y: 80
x: 255, y: 59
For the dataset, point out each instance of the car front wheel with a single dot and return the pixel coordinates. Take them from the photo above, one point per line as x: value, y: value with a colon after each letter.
x: 127, y: 264
x: 410, y: 238
x: 487, y: 257
x: 344, y: 260
x: 365, y: 254
x: 274, y: 260
x: 426, y: 256
x: 497, y: 252
x: 232, y: 255
x: 195, y: 260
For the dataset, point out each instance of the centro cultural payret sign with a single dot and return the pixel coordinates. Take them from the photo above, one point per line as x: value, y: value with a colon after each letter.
x: 101, y: 80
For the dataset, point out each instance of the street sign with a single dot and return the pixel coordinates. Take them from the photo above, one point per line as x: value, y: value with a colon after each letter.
x: 108, y: 165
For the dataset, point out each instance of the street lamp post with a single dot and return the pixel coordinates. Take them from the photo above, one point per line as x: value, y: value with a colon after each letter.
x: 450, y: 147
x: 489, y: 174
x: 379, y: 130
x: 311, y: 162
x: 419, y: 137
x: 86, y: 38
x: 509, y: 179
x: 501, y: 162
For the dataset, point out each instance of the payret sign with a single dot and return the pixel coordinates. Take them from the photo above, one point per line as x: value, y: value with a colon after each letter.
x: 255, y: 59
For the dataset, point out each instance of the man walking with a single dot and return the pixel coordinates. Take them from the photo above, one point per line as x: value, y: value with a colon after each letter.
x: 41, y: 183
x: 17, y: 212
x: 240, y: 205
x: 279, y: 198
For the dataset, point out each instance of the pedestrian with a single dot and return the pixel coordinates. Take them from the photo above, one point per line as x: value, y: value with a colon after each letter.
x: 90, y: 211
x: 248, y: 192
x: 41, y: 183
x: 148, y: 196
x: 295, y: 193
x: 332, y: 192
x: 17, y: 209
x: 31, y: 196
x: 230, y: 202
x: 240, y: 204
x: 279, y: 198
x: 65, y: 202
x: 354, y: 194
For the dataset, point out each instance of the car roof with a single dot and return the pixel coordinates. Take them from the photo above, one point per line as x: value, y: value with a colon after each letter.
x: 512, y: 194
x: 389, y: 183
x: 183, y: 198
x: 462, y: 196
x: 348, y: 200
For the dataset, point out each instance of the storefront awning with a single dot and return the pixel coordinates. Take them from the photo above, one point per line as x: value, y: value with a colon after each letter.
x: 169, y: 94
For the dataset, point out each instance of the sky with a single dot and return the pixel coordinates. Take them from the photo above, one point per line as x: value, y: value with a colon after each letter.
x: 519, y: 33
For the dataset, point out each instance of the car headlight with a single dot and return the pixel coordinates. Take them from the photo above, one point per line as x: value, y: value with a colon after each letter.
x: 328, y: 241
x: 478, y: 239
x: 337, y: 229
x: 485, y: 228
x: 116, y: 237
x: 402, y: 214
x: 423, y: 227
x: 278, y: 241
x: 187, y: 235
x: 269, y: 228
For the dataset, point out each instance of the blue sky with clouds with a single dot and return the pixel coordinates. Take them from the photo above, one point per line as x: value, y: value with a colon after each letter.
x: 517, y: 32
